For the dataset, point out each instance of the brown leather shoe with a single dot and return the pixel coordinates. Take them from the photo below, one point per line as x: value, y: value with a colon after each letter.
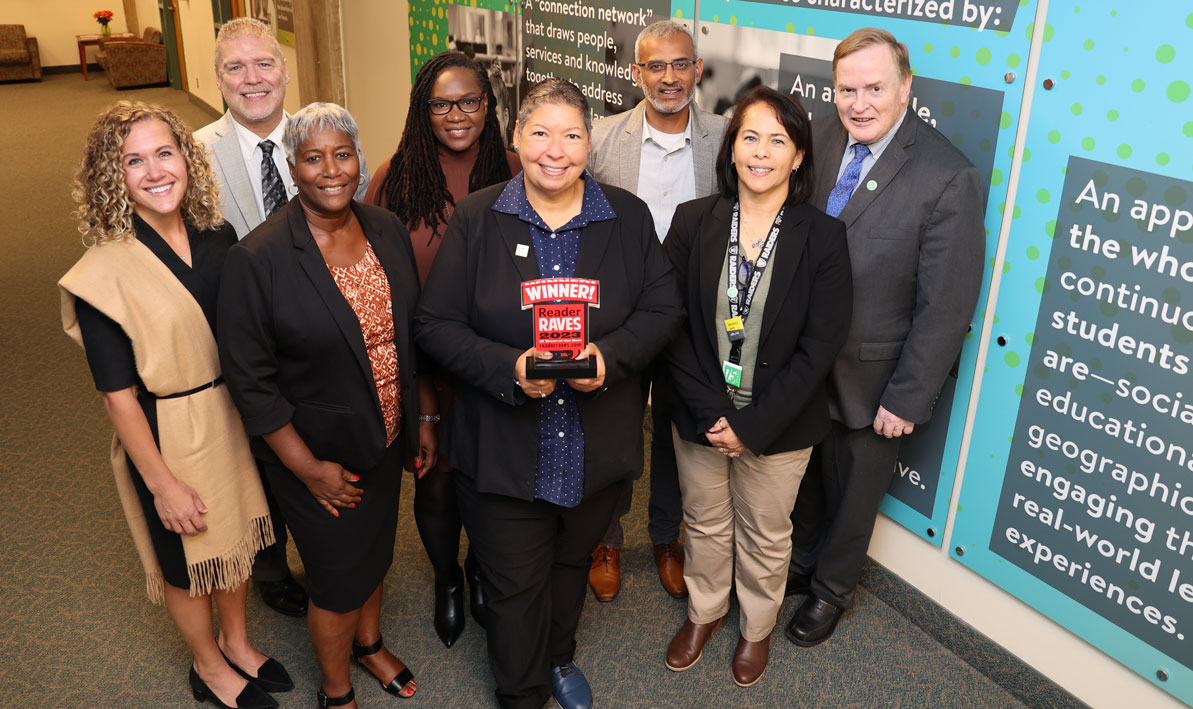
x: 605, y: 573
x: 688, y: 644
x: 669, y: 558
x: 749, y: 661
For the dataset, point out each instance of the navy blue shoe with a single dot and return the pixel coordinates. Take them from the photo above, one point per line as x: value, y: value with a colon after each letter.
x: 570, y: 688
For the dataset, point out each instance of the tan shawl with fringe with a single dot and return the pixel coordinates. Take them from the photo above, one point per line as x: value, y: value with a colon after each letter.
x: 202, y: 440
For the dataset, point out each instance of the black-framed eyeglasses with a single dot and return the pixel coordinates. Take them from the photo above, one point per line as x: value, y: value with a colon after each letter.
x: 679, y: 65
x: 442, y: 106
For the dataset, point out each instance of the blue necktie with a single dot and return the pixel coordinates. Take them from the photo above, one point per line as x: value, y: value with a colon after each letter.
x: 839, y: 197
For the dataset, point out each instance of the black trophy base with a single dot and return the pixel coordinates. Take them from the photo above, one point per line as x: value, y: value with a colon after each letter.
x: 561, y: 368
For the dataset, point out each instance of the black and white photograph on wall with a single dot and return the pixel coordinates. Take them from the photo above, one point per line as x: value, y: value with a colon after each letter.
x: 736, y: 59
x: 262, y: 10
x: 493, y: 38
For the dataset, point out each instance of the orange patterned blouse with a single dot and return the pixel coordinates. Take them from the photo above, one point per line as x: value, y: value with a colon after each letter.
x: 366, y: 289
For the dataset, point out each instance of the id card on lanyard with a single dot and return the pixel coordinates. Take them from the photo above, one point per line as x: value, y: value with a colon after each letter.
x: 739, y: 303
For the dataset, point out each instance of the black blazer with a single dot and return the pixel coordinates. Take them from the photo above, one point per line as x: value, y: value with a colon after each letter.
x: 291, y: 347
x: 470, y: 322
x: 805, y: 320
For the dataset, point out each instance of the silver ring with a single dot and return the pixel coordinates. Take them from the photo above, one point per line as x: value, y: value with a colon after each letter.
x: 540, y: 393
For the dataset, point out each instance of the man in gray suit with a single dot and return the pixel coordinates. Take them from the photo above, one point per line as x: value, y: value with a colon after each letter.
x: 252, y: 76
x: 664, y: 151
x: 250, y: 164
x: 913, y: 208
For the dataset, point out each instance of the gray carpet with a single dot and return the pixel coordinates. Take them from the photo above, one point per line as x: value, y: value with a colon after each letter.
x: 77, y: 631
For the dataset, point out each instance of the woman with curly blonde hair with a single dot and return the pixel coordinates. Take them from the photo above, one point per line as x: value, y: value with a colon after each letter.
x: 141, y: 301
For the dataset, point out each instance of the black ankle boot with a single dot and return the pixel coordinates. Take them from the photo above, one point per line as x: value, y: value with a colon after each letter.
x: 477, y: 597
x: 449, y: 606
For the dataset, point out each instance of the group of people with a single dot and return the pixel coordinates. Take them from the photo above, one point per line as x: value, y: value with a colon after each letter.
x: 788, y: 319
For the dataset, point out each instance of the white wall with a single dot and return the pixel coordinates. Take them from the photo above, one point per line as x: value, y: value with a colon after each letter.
x: 148, y: 15
x: 1079, y: 667
x: 376, y: 36
x: 56, y: 22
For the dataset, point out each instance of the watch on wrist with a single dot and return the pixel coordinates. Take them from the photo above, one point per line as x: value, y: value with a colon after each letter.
x: 429, y: 418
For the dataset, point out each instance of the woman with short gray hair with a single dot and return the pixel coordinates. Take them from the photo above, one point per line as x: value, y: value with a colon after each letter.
x: 315, y: 339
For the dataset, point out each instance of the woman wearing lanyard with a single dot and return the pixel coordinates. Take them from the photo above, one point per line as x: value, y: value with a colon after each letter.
x: 766, y: 281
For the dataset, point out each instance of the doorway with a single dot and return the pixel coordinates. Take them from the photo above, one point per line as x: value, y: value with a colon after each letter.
x: 172, y: 38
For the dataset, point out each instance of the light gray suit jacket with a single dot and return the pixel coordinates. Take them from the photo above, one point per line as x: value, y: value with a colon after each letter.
x: 237, y: 202
x: 617, y: 148
x: 916, y: 242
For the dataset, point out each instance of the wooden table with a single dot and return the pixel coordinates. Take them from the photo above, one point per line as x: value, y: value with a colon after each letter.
x: 93, y: 40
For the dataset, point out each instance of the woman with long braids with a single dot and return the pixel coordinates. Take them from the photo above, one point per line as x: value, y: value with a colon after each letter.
x: 451, y: 146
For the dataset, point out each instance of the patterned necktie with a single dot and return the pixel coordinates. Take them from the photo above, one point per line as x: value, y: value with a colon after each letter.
x: 273, y: 192
x: 839, y: 197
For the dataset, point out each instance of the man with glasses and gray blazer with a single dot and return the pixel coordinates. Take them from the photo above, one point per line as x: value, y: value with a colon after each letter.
x: 664, y: 151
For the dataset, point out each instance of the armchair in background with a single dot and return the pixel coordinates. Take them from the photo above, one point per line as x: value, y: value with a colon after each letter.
x: 133, y: 62
x: 19, y: 58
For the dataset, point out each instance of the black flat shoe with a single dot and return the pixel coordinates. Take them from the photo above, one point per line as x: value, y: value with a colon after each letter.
x: 814, y: 622
x: 271, y: 676
x: 449, y: 607
x: 326, y: 701
x: 477, y: 597
x: 251, y: 697
x: 286, y: 596
x: 396, y: 684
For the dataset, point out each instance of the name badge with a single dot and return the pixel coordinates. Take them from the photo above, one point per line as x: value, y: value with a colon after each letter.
x: 735, y: 329
x: 522, y: 250
x: 732, y: 373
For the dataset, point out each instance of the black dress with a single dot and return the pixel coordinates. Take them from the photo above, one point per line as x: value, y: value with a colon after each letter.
x: 110, y: 357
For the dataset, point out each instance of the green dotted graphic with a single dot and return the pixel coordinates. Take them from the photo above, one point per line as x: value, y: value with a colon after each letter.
x: 1178, y: 91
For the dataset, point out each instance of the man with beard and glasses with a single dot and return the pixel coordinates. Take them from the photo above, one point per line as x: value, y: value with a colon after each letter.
x: 664, y: 151
x: 250, y: 166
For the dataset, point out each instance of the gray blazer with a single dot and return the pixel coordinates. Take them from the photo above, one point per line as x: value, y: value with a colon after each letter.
x: 916, y: 242
x: 237, y: 202
x: 617, y: 148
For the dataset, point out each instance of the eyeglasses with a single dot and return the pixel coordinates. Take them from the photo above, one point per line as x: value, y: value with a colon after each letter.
x: 744, y: 269
x: 442, y: 106
x: 679, y: 65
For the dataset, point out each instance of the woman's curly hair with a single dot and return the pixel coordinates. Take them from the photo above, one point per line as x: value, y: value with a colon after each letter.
x: 105, y: 209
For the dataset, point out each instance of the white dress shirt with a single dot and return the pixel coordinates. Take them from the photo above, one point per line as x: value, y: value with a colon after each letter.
x: 666, y: 173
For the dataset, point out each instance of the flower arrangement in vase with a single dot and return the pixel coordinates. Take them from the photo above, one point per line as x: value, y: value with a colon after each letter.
x: 103, y: 17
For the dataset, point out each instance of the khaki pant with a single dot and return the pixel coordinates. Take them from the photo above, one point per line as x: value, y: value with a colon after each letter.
x: 738, y: 516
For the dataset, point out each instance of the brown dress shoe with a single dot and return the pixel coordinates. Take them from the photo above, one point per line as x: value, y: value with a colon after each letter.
x: 749, y: 661
x: 688, y: 644
x: 669, y: 558
x: 605, y: 573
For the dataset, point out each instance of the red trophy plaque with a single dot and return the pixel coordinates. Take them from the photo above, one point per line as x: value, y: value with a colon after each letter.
x: 561, y: 326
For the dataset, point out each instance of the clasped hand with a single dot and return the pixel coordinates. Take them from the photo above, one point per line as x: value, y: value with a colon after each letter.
x: 891, y: 426
x: 722, y: 437
x: 541, y: 388
x: 329, y: 483
x: 180, y: 508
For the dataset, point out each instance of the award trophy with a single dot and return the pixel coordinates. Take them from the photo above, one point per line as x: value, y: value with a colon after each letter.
x: 561, y: 326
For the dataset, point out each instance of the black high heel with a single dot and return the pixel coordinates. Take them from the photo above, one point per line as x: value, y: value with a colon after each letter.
x: 251, y: 697
x: 326, y: 701
x: 449, y: 607
x: 477, y: 596
x: 271, y: 676
x: 396, y: 684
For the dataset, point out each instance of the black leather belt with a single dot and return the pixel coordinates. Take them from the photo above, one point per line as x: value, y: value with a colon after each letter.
x: 209, y: 385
